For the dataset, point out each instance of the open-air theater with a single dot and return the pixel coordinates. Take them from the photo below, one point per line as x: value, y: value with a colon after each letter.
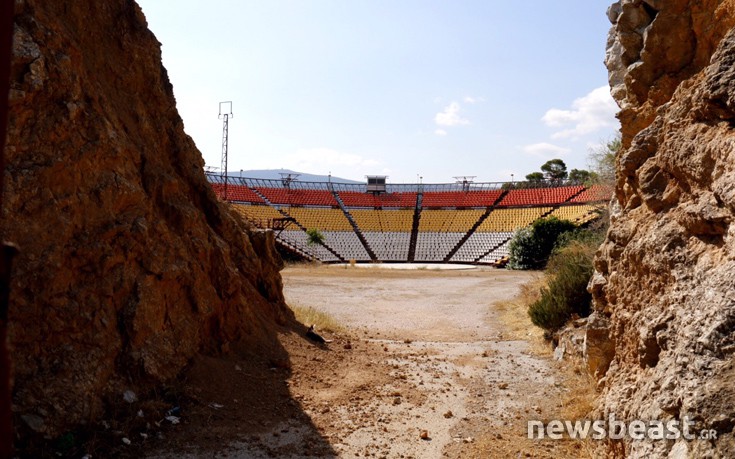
x: 463, y: 222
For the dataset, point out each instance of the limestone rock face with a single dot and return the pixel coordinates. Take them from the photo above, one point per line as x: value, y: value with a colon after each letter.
x: 665, y: 276
x: 129, y: 266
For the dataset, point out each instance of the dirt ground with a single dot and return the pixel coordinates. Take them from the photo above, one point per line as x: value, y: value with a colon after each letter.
x: 426, y: 364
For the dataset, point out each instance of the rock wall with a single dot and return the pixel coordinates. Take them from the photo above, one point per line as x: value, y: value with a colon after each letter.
x: 129, y: 266
x: 664, y: 287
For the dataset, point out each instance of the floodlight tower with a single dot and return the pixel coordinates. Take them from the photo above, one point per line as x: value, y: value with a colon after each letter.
x: 226, y: 115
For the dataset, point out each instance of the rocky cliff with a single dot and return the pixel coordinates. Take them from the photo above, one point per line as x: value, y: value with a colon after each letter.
x: 664, y: 287
x: 129, y: 266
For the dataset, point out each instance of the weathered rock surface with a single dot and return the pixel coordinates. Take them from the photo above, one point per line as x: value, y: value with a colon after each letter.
x: 665, y: 279
x: 129, y: 265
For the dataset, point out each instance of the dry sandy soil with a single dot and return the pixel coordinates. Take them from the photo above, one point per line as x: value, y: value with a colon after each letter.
x: 427, y: 364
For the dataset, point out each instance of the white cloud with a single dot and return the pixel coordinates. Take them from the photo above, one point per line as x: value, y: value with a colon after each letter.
x: 589, y: 113
x: 440, y: 132
x: 450, y: 116
x: 473, y: 100
x: 545, y: 150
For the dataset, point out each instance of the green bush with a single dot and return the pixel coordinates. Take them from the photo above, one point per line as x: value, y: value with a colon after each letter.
x: 530, y: 247
x: 314, y: 237
x: 523, y: 249
x: 569, y: 271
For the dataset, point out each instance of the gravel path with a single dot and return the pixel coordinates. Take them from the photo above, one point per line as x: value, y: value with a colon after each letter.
x: 426, y: 369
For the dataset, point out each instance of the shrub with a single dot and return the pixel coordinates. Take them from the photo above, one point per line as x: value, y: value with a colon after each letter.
x: 530, y: 247
x: 314, y: 237
x: 569, y: 271
x: 523, y: 249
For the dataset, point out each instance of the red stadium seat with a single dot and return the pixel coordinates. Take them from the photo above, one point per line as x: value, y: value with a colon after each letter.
x: 239, y: 193
x: 539, y: 196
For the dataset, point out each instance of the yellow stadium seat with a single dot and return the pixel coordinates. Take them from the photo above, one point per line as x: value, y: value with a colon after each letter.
x: 383, y: 220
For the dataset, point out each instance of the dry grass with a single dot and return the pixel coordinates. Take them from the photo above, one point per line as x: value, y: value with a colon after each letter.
x: 322, y: 321
x: 516, y: 322
x: 579, y: 400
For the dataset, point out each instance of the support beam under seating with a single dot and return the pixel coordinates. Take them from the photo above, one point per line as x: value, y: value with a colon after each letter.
x: 355, y: 228
x: 323, y: 244
x: 472, y: 230
x: 492, y: 249
x: 415, y: 228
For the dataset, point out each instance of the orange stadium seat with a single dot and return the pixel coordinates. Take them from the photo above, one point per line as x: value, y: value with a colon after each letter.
x: 539, y: 196
x: 359, y: 199
x: 483, y: 198
x: 299, y: 197
x: 235, y: 192
x: 595, y: 193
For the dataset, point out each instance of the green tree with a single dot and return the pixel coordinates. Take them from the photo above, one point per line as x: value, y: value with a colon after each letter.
x: 554, y: 170
x: 581, y: 176
x: 535, y: 177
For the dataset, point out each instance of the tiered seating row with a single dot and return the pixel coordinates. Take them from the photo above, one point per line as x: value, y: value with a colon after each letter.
x: 539, y: 196
x: 383, y: 220
x: 595, y: 193
x: 347, y: 245
x: 448, y: 220
x: 321, y: 218
x: 479, y: 243
x: 299, y: 239
x: 299, y: 197
x: 358, y: 199
x: 237, y: 193
x: 389, y: 246
x: 260, y: 216
x: 579, y: 214
x: 503, y: 220
x: 435, y: 246
x: 498, y: 254
x: 460, y: 198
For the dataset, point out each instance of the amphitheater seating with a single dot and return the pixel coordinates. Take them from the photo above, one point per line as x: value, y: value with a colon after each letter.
x: 298, y: 239
x: 386, y: 220
x: 579, y: 214
x: 503, y: 251
x: 325, y: 219
x: 347, y: 245
x: 478, y: 244
x: 435, y: 246
x: 595, y: 193
x: 259, y: 215
x: 299, y: 197
x: 239, y: 193
x: 502, y: 220
x: 539, y: 196
x: 484, y: 198
x: 448, y: 220
x: 389, y: 246
x: 358, y: 199
x: 383, y: 220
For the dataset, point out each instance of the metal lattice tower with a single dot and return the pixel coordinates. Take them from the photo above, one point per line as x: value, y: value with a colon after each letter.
x: 226, y: 115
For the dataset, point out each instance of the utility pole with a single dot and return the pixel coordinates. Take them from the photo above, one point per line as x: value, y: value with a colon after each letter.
x: 226, y: 115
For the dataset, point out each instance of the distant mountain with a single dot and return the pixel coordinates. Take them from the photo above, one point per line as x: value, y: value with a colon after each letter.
x: 275, y: 174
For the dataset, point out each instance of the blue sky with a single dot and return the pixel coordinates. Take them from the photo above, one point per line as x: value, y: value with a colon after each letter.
x: 403, y: 88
